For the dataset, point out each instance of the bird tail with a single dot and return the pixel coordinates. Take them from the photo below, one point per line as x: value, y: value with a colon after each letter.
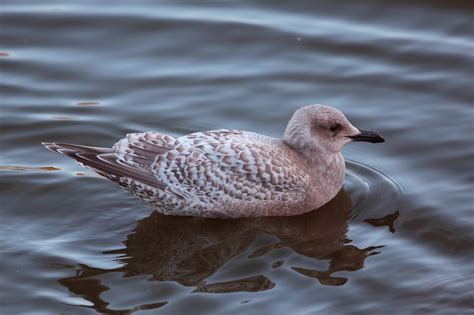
x: 105, y: 162
x: 72, y: 150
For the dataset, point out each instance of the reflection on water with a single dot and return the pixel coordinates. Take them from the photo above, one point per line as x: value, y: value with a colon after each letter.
x: 189, y: 250
x: 28, y: 168
x: 388, y: 220
x: 250, y: 284
x: 89, y: 103
x: 348, y: 258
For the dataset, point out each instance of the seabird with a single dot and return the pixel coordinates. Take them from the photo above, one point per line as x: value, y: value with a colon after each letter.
x: 231, y: 173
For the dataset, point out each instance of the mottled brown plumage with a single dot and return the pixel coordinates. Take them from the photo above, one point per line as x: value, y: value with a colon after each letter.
x: 230, y: 173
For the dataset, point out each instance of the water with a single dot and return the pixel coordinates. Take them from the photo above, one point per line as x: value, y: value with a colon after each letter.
x: 397, y: 240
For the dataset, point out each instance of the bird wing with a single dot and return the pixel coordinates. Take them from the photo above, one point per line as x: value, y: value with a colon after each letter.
x: 129, y: 161
x: 201, y: 167
x: 214, y: 165
x: 141, y: 149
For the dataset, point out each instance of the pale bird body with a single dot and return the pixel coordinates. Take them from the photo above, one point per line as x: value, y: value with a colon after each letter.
x: 231, y: 173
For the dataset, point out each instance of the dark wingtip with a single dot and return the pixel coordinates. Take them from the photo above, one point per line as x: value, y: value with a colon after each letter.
x: 73, y: 149
x: 51, y: 146
x: 62, y: 148
x: 46, y: 144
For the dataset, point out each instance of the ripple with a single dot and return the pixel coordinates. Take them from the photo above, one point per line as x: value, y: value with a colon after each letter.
x: 373, y: 192
x: 64, y: 118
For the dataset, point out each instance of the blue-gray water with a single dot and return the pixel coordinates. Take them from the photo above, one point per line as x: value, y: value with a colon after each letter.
x: 398, y: 240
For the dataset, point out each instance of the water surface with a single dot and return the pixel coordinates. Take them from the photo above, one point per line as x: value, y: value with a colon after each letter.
x: 397, y: 240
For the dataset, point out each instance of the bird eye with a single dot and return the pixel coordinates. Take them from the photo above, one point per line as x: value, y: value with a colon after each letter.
x: 335, y: 128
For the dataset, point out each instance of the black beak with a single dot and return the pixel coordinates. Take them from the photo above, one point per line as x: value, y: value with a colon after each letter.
x: 368, y: 136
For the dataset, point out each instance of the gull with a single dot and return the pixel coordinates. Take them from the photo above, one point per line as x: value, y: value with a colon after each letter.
x: 231, y: 173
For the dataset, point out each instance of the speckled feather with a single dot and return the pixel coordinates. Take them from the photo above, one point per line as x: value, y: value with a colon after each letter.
x: 221, y: 173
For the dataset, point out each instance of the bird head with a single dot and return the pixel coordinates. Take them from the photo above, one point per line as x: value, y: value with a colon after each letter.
x: 316, y: 128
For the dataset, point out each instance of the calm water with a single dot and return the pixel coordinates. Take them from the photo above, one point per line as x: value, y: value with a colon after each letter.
x: 398, y: 240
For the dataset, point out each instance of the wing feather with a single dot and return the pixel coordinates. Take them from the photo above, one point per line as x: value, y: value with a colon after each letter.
x: 142, y: 149
x: 216, y: 165
x: 105, y: 162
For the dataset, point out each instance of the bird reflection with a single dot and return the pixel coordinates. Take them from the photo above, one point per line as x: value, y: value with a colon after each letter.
x: 188, y: 250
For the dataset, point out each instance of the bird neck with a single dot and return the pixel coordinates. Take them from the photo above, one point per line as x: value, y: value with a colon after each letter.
x: 323, y: 158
